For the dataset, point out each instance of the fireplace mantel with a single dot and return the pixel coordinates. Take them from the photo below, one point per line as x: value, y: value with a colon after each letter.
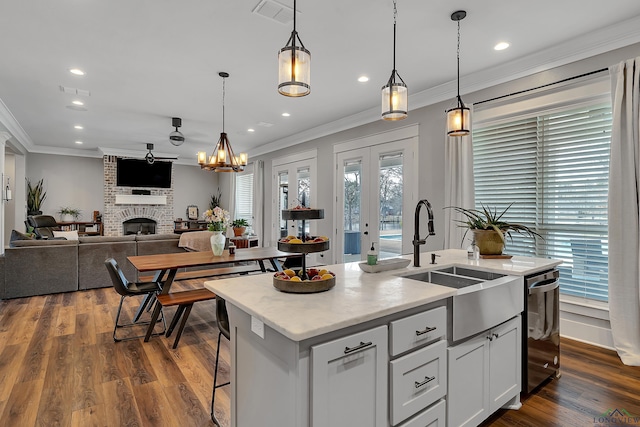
x: 140, y: 199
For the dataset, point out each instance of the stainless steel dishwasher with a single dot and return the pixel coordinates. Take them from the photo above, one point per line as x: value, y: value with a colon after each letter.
x: 541, y: 329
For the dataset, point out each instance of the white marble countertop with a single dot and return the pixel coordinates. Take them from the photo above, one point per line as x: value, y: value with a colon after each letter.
x: 357, y: 296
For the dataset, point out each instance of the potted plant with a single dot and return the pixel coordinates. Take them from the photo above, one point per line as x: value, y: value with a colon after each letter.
x: 489, y: 229
x: 215, y: 200
x: 68, y: 214
x: 35, y: 197
x: 239, y: 226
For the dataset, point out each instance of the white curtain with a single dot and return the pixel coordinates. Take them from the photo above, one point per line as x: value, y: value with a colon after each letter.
x: 258, y: 200
x: 459, y: 189
x: 624, y: 210
x: 232, y: 203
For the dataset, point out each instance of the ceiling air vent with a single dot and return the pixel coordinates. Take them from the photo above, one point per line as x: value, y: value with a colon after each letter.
x: 274, y: 11
x: 74, y: 91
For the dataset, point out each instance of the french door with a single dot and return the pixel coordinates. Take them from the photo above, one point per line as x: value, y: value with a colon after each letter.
x: 375, y: 195
x: 293, y: 180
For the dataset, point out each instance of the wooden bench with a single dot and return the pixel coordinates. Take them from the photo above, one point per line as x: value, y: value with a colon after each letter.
x: 184, y: 300
x: 212, y: 272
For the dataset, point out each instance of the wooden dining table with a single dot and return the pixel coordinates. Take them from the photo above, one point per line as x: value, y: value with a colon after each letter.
x: 166, y: 266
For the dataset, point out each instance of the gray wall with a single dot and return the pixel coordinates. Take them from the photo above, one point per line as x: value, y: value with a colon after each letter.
x: 78, y: 182
x: 192, y: 186
x: 69, y: 181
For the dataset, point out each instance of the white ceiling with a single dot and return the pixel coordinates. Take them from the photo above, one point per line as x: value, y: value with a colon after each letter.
x: 149, y: 60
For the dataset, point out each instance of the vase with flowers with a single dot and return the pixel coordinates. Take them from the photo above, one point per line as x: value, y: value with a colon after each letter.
x: 218, y: 220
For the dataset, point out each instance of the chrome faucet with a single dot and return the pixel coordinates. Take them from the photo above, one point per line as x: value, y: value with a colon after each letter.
x: 416, y: 233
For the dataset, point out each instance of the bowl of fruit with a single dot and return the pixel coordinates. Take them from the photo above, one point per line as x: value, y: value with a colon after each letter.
x: 308, y: 245
x: 295, y: 281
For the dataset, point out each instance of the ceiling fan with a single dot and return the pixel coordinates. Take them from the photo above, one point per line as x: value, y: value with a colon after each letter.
x: 150, y: 158
x: 176, y: 137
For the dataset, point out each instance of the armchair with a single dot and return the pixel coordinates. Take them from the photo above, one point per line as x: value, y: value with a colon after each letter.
x: 43, y: 225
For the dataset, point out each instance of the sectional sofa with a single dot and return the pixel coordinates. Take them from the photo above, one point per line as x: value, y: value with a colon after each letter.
x: 40, y: 267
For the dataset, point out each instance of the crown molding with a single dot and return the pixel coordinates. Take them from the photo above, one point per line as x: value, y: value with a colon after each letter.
x: 13, y: 127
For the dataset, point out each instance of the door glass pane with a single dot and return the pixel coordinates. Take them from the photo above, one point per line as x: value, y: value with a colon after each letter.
x: 352, y: 173
x: 303, y: 199
x: 283, y: 200
x: 390, y: 206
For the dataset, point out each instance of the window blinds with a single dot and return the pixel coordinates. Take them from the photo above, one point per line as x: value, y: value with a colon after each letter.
x: 244, y: 197
x: 555, y: 169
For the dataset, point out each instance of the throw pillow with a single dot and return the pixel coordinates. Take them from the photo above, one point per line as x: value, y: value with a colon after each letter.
x: 16, y: 235
x: 69, y: 235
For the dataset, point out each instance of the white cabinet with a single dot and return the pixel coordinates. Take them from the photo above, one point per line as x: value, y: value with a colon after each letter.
x: 432, y: 417
x: 484, y: 374
x: 505, y: 364
x: 349, y: 380
x: 417, y: 380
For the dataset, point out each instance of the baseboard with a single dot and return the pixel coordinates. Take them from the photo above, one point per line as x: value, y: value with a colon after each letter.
x: 585, y: 331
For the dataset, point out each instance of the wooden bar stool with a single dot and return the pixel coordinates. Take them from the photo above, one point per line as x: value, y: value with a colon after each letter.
x: 184, y: 300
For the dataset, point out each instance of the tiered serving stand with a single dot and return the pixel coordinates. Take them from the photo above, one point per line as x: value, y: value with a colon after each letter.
x: 306, y: 247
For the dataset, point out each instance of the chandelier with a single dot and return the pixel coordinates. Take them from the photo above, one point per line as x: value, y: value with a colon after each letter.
x: 223, y: 158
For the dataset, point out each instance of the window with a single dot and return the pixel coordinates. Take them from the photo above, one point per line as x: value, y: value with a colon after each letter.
x: 554, y: 167
x: 244, y: 197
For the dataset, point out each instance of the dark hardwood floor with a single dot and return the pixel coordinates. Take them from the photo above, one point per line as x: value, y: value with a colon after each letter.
x: 60, y: 367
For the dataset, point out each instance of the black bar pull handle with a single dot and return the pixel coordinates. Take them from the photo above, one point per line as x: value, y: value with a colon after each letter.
x: 362, y: 345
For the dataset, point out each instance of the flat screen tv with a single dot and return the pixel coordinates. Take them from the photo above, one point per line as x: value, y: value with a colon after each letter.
x: 139, y: 173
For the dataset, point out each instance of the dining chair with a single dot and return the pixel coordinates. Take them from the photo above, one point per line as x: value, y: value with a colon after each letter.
x: 130, y: 289
x: 222, y: 320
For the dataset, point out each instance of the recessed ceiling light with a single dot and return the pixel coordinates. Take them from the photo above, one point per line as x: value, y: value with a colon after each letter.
x: 76, y: 102
x: 79, y: 142
x: 363, y: 79
x: 285, y: 114
x: 78, y: 127
x: 76, y: 71
x: 251, y: 130
x: 501, y: 46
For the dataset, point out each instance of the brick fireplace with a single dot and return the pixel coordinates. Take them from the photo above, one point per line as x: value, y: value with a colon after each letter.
x: 120, y: 204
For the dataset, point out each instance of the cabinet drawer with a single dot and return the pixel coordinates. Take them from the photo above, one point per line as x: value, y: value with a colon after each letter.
x: 417, y: 380
x: 417, y: 330
x: 432, y: 417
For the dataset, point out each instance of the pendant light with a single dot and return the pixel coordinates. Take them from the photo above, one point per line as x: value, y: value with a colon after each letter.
x: 459, y: 117
x: 223, y: 159
x: 294, y: 65
x: 394, y: 93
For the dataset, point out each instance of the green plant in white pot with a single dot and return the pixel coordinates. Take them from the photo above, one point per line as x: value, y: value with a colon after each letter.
x: 489, y: 229
x: 68, y: 214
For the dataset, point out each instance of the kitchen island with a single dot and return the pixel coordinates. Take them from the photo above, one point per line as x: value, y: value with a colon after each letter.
x: 340, y: 357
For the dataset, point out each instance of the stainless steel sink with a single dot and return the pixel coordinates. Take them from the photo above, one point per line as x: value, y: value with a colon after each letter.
x: 444, y: 279
x: 484, y: 299
x: 484, y: 275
